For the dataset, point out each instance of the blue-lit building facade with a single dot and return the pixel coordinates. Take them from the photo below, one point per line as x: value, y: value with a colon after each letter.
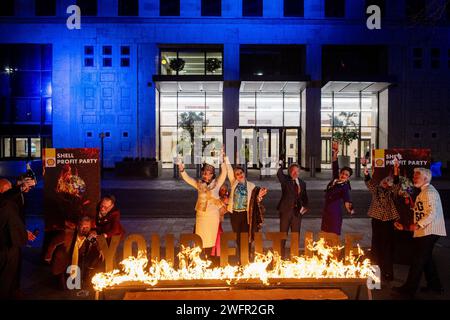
x: 294, y: 71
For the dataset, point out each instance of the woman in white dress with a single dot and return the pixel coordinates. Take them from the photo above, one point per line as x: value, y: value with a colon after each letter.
x: 208, y: 204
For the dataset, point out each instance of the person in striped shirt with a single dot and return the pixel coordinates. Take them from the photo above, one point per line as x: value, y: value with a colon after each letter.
x: 428, y: 226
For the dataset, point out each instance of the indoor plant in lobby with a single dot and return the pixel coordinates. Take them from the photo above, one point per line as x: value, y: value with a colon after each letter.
x: 177, y: 64
x: 212, y: 64
x: 345, y: 131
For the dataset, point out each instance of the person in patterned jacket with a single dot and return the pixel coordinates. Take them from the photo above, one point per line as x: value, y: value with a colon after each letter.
x: 428, y: 227
x: 383, y: 212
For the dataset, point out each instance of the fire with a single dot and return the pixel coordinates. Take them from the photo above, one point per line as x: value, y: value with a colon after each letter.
x: 322, y: 263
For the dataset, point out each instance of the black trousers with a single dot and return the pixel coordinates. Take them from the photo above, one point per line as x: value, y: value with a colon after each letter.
x: 9, y: 272
x: 239, y: 224
x: 289, y: 220
x: 422, y: 262
x: 383, y: 246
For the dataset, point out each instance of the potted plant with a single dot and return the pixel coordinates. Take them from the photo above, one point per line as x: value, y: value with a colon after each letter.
x: 187, y: 122
x: 177, y: 64
x: 345, y: 132
x: 212, y: 64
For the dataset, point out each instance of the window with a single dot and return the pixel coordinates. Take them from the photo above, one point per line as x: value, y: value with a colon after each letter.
x: 124, y: 56
x: 35, y: 147
x: 124, y: 62
x: 380, y: 3
x: 45, y: 7
x: 107, y: 62
x: 22, y: 147
x: 169, y: 7
x: 417, y: 58
x: 89, y: 50
x: 415, y: 10
x: 128, y: 7
x: 293, y: 8
x: 191, y: 62
x: 125, y: 50
x: 269, y: 109
x: 7, y: 8
x: 212, y: 8
x: 107, y: 59
x: 340, y: 61
x: 125, y: 134
x: 25, y: 86
x: 87, y: 7
x: 5, y: 148
x: 88, y: 56
x: 261, y: 60
x: 88, y: 62
x: 107, y: 50
x: 107, y: 134
x: 180, y: 108
x: 89, y: 134
x: 252, y: 8
x: 352, y: 111
x: 335, y: 8
x: 435, y: 58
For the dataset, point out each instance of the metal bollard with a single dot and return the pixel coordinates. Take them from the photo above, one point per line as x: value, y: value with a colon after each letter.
x: 312, y: 167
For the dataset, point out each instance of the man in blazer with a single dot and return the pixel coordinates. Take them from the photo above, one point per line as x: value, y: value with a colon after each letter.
x: 294, y: 201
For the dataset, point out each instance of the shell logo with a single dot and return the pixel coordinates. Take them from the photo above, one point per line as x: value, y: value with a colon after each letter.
x: 50, y: 157
x: 50, y: 162
x: 379, y: 163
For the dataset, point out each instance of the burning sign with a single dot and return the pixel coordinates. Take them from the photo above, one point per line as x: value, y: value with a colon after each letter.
x: 320, y: 261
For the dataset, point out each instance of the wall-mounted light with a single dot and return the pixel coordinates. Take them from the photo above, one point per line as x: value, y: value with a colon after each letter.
x: 163, y: 61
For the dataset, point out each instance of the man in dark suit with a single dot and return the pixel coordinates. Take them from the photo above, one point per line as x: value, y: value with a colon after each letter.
x: 294, y: 201
x: 13, y: 233
x: 76, y: 249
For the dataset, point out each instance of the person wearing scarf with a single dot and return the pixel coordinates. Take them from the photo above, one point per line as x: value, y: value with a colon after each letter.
x: 240, y: 205
x: 337, y: 191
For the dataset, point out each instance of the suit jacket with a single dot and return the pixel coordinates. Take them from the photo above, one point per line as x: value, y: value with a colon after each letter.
x: 110, y: 224
x: 290, y: 198
x: 13, y: 233
x: 15, y: 198
x: 88, y: 254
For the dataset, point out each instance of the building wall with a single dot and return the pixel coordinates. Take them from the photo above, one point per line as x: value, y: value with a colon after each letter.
x: 122, y: 100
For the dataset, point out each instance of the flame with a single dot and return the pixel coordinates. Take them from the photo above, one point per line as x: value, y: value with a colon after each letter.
x: 322, y: 263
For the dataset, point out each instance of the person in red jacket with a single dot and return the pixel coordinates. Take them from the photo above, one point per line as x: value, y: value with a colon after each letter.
x: 107, y: 221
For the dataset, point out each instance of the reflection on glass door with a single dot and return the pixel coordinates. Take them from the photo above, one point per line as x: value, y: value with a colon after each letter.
x: 365, y: 149
x: 326, y: 150
x: 264, y: 147
x: 270, y: 149
x: 291, y: 145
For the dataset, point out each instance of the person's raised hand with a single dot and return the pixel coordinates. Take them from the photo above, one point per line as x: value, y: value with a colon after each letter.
x: 180, y: 165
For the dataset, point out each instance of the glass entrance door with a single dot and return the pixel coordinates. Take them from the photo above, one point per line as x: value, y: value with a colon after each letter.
x: 272, y: 144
